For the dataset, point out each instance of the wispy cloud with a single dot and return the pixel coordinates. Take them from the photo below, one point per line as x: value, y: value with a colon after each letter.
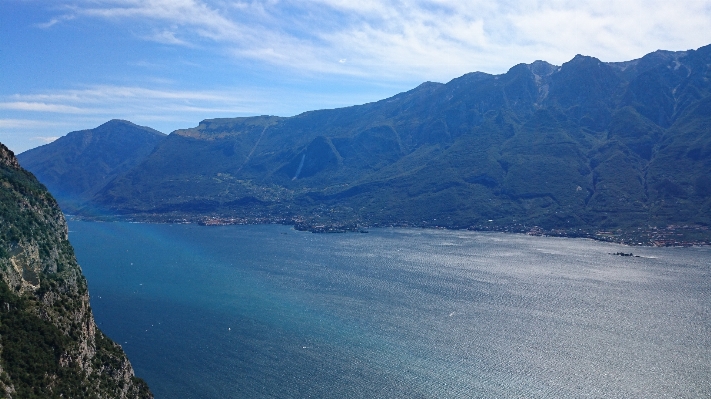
x: 44, y: 139
x: 22, y: 134
x: 28, y: 124
x: 123, y: 100
x: 425, y: 38
x: 173, y: 108
x: 41, y: 107
x: 40, y: 117
x: 278, y: 49
x: 166, y: 37
x: 56, y: 20
x: 99, y: 93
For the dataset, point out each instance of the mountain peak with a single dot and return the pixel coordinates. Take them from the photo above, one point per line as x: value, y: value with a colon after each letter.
x: 582, y: 61
x: 123, y: 126
x: 117, y: 122
x: 425, y: 87
x: 89, y: 158
x: 542, y: 68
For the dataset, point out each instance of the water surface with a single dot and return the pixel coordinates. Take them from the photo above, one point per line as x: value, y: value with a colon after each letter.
x: 269, y: 312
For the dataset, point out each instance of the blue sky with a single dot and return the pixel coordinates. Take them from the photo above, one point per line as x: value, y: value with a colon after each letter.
x: 168, y: 64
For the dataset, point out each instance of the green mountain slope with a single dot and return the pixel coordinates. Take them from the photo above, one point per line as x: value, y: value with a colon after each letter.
x: 50, y: 346
x: 609, y: 150
x: 76, y: 165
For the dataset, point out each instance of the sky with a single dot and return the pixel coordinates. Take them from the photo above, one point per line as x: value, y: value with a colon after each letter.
x: 168, y: 64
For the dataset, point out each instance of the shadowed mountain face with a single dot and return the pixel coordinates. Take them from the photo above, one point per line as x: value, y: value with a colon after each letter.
x: 583, y: 146
x: 76, y: 165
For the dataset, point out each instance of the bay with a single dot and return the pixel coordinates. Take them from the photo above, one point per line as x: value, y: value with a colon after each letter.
x: 269, y: 312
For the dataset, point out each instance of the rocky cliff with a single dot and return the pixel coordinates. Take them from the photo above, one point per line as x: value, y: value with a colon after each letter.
x: 49, y: 343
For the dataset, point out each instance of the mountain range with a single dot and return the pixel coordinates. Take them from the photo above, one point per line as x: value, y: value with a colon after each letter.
x: 618, y: 151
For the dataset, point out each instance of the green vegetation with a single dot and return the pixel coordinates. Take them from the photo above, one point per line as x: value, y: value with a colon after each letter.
x: 73, y: 166
x: 49, y: 344
x: 32, y: 349
x: 581, y: 149
x: 20, y: 194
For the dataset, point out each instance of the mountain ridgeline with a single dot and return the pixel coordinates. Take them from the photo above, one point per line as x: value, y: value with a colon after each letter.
x: 78, y: 164
x: 50, y: 346
x: 618, y: 151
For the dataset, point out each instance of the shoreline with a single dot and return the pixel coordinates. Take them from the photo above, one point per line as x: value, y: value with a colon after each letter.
x: 668, y: 236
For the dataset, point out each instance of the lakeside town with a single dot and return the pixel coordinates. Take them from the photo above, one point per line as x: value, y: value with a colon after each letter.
x: 656, y: 236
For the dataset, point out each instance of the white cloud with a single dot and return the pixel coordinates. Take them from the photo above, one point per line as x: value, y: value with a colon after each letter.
x: 614, y: 31
x: 392, y: 45
x: 167, y: 37
x: 423, y: 39
x: 44, y: 139
x: 20, y: 124
x: 54, y: 21
x: 22, y: 134
x: 202, y: 19
x: 102, y: 93
x: 41, y: 107
x: 180, y: 107
x: 133, y: 103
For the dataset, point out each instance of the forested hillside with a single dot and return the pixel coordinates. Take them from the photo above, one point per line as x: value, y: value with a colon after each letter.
x: 50, y: 346
x: 618, y: 151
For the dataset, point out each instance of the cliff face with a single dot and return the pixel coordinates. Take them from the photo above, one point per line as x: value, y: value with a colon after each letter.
x: 49, y: 343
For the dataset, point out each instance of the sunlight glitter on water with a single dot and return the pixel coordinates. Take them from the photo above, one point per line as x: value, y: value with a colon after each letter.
x: 399, y: 313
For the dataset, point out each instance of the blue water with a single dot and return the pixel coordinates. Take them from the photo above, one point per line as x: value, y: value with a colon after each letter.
x: 269, y: 312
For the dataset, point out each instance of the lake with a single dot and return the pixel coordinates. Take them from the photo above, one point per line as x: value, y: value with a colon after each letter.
x: 269, y: 312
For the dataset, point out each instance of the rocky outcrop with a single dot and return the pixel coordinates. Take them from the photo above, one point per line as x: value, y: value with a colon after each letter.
x: 49, y: 343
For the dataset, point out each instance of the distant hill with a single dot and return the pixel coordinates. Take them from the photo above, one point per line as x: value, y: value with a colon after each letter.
x: 50, y: 346
x: 76, y: 165
x: 618, y: 151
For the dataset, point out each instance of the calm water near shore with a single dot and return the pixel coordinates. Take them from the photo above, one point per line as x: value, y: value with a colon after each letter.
x: 269, y: 312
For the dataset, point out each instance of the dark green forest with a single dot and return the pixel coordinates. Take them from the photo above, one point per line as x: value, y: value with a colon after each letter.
x: 49, y: 344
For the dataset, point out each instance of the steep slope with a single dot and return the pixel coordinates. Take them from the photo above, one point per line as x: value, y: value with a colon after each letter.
x: 50, y: 346
x: 575, y: 149
x: 76, y: 166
